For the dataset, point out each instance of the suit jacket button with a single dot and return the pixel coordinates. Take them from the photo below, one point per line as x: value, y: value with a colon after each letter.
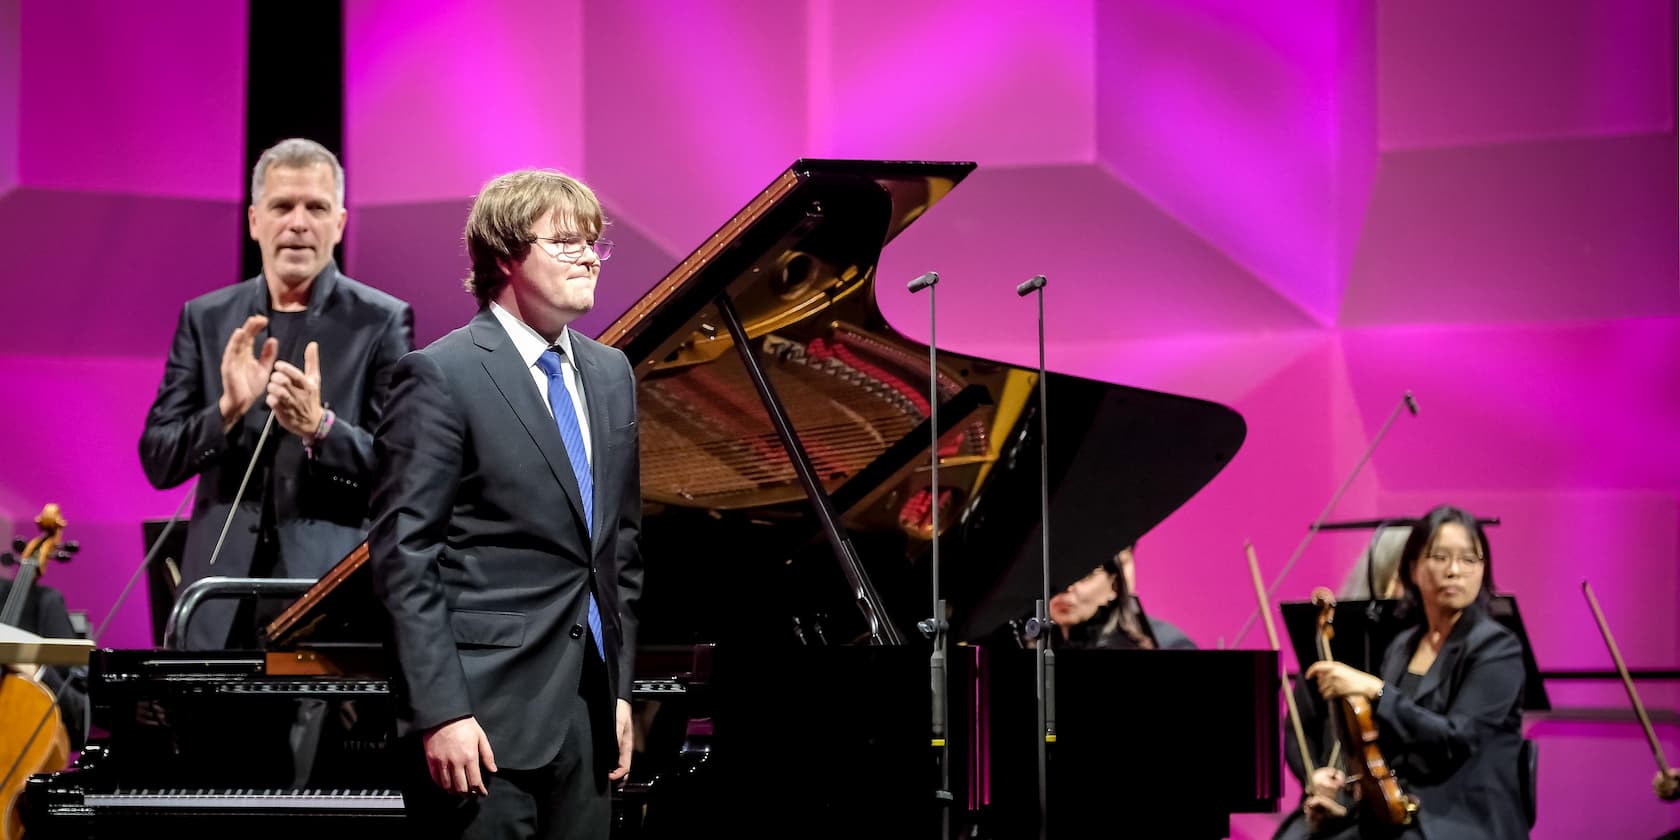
x: 577, y: 631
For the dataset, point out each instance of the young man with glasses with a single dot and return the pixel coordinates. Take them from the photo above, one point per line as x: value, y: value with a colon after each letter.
x: 300, y: 343
x: 505, y: 543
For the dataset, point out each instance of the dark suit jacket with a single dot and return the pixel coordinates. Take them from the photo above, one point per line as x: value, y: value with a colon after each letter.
x: 1453, y: 744
x: 320, y: 503
x: 478, y: 545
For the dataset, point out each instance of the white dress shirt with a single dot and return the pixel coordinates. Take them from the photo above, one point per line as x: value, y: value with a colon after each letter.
x: 531, y: 347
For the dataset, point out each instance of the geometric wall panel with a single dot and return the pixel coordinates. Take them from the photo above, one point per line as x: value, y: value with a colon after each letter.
x: 441, y: 97
x: 997, y: 82
x: 681, y: 131
x: 146, y: 99
x: 1254, y: 124
x: 105, y: 274
x: 1494, y: 71
x: 1536, y: 231
x: 9, y: 70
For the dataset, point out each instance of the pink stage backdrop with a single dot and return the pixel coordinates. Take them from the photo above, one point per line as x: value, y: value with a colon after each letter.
x: 1301, y: 210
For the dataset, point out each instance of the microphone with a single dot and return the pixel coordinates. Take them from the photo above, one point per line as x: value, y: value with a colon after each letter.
x: 1046, y: 661
x: 1411, y: 404
x: 936, y: 626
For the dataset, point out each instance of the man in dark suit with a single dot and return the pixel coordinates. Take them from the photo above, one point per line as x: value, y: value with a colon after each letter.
x: 312, y: 346
x: 505, y: 542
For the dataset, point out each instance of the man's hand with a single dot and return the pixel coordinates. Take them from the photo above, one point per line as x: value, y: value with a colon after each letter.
x: 295, y: 395
x: 626, y: 742
x: 454, y: 752
x: 1338, y: 680
x: 243, y: 372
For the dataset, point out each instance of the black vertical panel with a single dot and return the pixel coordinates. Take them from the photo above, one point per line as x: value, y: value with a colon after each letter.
x: 294, y: 87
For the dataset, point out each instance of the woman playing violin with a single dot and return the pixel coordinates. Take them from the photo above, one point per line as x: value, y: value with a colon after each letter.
x: 1448, y: 700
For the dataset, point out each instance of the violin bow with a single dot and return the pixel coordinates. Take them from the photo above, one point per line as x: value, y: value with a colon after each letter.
x: 1288, y: 691
x: 1407, y: 403
x: 1627, y: 679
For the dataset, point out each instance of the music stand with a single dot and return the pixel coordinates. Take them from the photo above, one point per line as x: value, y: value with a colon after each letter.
x: 1364, y: 630
x: 162, y: 577
x: 21, y: 647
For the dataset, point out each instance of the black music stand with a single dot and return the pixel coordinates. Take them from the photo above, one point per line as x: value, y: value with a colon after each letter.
x: 1364, y: 630
x: 162, y: 574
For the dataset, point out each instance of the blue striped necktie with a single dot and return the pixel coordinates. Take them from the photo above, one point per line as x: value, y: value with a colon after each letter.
x: 571, y: 434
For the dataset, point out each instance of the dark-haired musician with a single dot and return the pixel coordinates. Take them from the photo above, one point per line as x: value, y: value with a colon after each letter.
x: 1448, y: 700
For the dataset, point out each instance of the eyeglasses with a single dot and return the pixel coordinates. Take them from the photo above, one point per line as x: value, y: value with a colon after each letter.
x: 571, y: 248
x: 1467, y: 559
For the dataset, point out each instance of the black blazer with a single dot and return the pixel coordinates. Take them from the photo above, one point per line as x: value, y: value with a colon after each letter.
x: 478, y: 546
x: 321, y: 503
x: 1454, y: 743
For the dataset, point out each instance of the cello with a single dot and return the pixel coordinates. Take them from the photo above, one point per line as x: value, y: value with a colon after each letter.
x: 33, y: 738
x: 1356, y: 728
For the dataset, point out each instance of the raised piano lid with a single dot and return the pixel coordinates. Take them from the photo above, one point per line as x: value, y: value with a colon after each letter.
x: 798, y: 262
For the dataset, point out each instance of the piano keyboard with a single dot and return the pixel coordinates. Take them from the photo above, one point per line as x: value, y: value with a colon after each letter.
x: 273, y: 799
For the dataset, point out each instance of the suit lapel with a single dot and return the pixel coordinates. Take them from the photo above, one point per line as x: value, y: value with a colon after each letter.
x: 595, y: 402
x: 1393, y: 671
x: 1446, y: 660
x: 513, y: 379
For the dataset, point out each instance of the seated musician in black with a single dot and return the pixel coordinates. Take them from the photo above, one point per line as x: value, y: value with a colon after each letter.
x: 1101, y: 610
x: 45, y: 614
x: 1448, y: 701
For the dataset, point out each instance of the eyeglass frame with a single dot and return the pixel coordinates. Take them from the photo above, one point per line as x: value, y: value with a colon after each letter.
x: 1467, y: 559
x: 603, y: 248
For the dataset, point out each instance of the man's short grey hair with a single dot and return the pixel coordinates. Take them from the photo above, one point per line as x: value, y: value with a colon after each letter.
x: 297, y: 153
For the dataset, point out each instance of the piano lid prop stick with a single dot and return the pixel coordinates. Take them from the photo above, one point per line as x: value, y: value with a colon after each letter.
x: 1272, y: 636
x: 1627, y: 679
x: 1406, y: 402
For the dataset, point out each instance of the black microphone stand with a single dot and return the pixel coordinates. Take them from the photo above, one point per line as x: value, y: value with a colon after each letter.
x: 1046, y: 659
x: 935, y: 627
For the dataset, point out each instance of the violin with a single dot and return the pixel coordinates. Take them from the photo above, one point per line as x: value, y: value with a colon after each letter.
x: 33, y: 738
x: 1357, y: 731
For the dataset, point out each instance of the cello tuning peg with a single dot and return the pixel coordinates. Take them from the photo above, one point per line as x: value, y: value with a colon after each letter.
x: 62, y: 556
x: 72, y: 546
x: 7, y: 559
x: 19, y: 544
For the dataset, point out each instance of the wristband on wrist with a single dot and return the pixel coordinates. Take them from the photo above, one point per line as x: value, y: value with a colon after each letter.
x: 327, y: 418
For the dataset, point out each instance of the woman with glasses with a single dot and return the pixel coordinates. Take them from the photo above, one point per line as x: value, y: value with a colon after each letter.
x: 1447, y: 700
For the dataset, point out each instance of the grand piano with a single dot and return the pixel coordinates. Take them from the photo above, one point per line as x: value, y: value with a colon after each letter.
x: 787, y: 532
x: 783, y: 688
